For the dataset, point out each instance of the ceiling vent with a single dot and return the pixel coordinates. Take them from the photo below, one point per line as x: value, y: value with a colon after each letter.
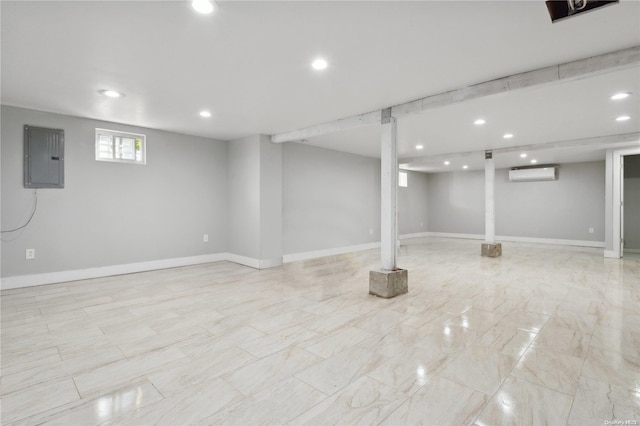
x: 533, y: 174
x: 563, y: 9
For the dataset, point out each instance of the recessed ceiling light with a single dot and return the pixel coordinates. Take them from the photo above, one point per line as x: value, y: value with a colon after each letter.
x: 446, y: 163
x: 479, y: 122
x: 319, y: 64
x: 508, y: 135
x: 623, y: 118
x: 419, y: 146
x: 111, y: 93
x: 203, y: 6
x: 622, y: 95
x: 465, y: 167
x: 205, y: 114
x: 523, y: 155
x: 534, y: 161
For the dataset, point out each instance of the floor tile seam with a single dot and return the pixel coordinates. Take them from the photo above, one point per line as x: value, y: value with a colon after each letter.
x: 490, y: 398
x: 405, y: 399
x: 15, y: 363
x: 334, y: 353
x: 621, y: 354
x: 573, y: 398
x: 93, y: 394
x: 292, y: 420
x: 543, y: 386
x: 57, y: 378
x: 137, y: 358
x: 21, y: 420
x: 467, y: 385
x: 77, y: 373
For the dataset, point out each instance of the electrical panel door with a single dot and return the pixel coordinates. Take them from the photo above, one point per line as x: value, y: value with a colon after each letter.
x: 43, y: 157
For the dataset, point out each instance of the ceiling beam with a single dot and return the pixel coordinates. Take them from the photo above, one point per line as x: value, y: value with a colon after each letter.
x: 567, y: 71
x: 597, y: 142
x: 373, y: 117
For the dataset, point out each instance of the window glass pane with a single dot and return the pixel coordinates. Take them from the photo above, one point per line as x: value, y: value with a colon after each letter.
x: 128, y: 149
x: 138, y: 150
x: 105, y: 147
x: 402, y: 179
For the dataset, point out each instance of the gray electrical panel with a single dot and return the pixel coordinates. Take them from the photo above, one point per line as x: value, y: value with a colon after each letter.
x: 43, y: 157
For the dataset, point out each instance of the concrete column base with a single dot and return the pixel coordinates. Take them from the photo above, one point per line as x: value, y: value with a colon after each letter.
x: 388, y: 284
x: 491, y: 250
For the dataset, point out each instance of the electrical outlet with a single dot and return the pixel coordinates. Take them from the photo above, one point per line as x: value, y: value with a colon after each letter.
x: 30, y: 254
x: 421, y: 224
x: 371, y: 231
x: 591, y: 230
x: 205, y: 238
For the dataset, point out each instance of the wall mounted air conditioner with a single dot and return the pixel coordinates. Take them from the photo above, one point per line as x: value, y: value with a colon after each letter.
x: 532, y: 174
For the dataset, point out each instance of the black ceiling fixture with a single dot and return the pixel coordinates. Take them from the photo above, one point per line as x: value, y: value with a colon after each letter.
x: 563, y: 9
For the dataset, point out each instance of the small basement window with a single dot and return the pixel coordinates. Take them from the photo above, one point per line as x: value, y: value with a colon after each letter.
x: 120, y: 147
x: 402, y: 179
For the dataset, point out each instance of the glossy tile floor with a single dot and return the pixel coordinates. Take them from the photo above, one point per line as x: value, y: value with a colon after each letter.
x: 542, y: 336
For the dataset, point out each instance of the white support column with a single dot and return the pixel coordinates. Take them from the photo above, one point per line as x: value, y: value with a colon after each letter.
x: 490, y: 248
x: 389, y: 186
x: 390, y: 281
x: 489, y: 202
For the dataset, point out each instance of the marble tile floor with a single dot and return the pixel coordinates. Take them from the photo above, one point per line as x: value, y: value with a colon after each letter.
x: 544, y: 335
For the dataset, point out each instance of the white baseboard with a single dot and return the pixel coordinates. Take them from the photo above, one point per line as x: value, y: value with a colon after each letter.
x: 270, y: 263
x: 253, y: 262
x: 610, y: 254
x: 552, y: 241
x: 21, y: 281
x: 453, y: 235
x: 417, y: 235
x: 506, y: 238
x: 31, y: 280
x: 328, y: 252
x: 631, y: 250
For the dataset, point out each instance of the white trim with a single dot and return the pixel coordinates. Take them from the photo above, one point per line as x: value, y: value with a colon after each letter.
x: 552, y: 241
x: 611, y: 254
x: 618, y: 185
x: 270, y: 263
x: 31, y: 280
x: 454, y: 235
x: 243, y: 260
x: 21, y: 281
x: 287, y: 258
x: 627, y: 250
x: 416, y: 235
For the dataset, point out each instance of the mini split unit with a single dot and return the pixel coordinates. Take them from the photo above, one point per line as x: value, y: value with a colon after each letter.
x: 532, y: 174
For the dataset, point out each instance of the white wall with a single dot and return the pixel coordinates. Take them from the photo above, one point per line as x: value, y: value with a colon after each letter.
x: 562, y: 209
x: 270, y: 200
x: 456, y: 202
x: 412, y: 204
x: 244, y: 197
x: 632, y: 202
x: 330, y: 199
x: 112, y: 213
x: 255, y: 199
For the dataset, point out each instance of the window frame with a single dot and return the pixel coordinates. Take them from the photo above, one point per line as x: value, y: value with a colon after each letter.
x: 113, y: 134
